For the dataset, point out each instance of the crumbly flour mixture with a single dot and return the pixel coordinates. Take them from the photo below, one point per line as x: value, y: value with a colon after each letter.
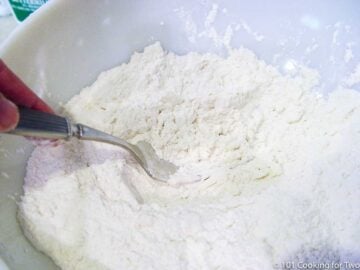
x: 283, y: 162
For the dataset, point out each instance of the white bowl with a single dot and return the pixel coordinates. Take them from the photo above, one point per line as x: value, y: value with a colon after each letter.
x: 64, y: 46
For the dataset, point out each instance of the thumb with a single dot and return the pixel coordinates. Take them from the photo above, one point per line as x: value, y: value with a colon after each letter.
x: 9, y: 114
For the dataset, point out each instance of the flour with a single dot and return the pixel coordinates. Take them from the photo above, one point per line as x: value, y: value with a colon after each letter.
x: 208, y: 29
x: 283, y: 163
x: 354, y: 78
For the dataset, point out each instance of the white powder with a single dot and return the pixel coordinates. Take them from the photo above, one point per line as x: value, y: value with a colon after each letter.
x: 208, y: 30
x: 283, y: 161
x: 354, y: 78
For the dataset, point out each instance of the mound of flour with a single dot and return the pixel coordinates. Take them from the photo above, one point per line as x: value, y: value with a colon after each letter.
x: 283, y: 163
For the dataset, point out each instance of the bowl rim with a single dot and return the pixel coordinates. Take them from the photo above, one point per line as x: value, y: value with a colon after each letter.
x: 33, y: 19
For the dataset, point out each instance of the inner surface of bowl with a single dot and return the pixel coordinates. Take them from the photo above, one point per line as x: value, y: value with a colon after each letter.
x: 66, y: 44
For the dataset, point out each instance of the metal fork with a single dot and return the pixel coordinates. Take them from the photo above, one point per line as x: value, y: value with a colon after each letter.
x: 38, y: 124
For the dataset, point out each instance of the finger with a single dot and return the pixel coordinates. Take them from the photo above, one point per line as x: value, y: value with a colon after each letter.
x: 9, y: 115
x: 15, y: 90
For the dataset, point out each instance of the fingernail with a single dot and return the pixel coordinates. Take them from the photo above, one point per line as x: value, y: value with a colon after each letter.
x: 9, y: 115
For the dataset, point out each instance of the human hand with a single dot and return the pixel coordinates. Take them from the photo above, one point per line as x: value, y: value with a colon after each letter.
x: 13, y: 93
